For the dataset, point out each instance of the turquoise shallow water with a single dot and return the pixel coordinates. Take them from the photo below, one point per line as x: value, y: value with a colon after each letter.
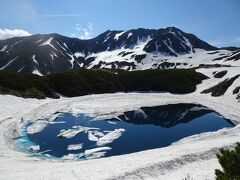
x: 145, y: 128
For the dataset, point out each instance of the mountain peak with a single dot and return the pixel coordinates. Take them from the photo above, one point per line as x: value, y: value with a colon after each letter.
x: 50, y: 53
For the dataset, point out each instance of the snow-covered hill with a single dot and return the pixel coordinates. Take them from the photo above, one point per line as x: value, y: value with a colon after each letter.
x: 135, y: 49
x: 193, y: 157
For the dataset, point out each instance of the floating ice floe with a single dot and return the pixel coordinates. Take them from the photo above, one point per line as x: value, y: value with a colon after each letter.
x: 70, y: 133
x: 72, y: 156
x: 90, y: 152
x: 37, y: 126
x: 111, y: 122
x: 96, y: 155
x: 73, y: 147
x: 44, y: 152
x: 58, y: 122
x: 110, y: 137
x: 54, y: 116
x: 94, y: 135
x: 33, y: 148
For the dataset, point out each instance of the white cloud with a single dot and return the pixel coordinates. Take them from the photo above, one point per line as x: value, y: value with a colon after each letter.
x: 83, y: 32
x: 8, y: 33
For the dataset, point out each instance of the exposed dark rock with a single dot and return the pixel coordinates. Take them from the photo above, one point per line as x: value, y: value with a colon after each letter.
x: 236, y: 90
x: 221, y: 88
x: 215, y: 52
x: 139, y: 58
x: 220, y: 74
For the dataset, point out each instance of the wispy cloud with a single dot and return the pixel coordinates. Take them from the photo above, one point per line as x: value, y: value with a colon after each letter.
x: 59, y: 15
x: 8, y: 33
x: 235, y: 41
x: 83, y: 32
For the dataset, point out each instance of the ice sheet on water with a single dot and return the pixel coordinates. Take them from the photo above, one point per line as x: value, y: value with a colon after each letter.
x: 73, y: 147
x: 37, y: 126
x: 110, y: 137
x: 90, y: 152
x: 34, y: 148
x: 95, y: 135
x: 70, y: 133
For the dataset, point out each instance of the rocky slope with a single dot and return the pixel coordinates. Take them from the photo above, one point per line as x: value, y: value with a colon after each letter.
x: 131, y: 50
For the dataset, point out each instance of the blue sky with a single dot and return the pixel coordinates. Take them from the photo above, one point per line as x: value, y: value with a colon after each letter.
x: 215, y: 21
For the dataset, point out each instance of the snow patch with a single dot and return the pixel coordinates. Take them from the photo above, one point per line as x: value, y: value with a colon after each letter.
x: 65, y: 45
x: 129, y: 35
x: 79, y: 54
x: 4, y: 48
x: 16, y: 43
x: 71, y: 60
x: 36, y: 71
x: 8, y: 63
x: 34, y: 59
x: 48, y: 43
x: 38, y: 41
x: 52, y: 56
x: 117, y: 36
x: 21, y: 69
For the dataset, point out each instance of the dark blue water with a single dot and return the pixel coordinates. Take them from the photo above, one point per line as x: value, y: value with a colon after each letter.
x: 146, y: 128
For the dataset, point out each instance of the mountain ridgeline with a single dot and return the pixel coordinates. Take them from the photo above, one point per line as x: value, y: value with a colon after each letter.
x: 129, y: 50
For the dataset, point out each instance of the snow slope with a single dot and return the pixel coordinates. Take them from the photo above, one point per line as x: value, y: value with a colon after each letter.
x: 190, y: 157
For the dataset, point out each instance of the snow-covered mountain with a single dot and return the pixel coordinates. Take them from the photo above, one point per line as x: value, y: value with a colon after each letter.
x: 131, y: 50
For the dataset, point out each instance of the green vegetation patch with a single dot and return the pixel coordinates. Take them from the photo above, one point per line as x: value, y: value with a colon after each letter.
x: 220, y: 74
x: 25, y: 85
x: 221, y: 88
x: 230, y: 162
x: 95, y: 81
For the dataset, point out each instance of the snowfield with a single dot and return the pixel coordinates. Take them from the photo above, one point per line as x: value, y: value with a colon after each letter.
x: 193, y: 157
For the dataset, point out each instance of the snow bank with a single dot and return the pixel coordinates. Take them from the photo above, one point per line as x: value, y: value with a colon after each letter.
x: 194, y: 155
